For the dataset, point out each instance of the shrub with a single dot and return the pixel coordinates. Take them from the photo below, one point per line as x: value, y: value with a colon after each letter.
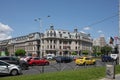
x: 20, y: 52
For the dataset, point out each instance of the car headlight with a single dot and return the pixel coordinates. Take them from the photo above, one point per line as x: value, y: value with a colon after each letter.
x: 18, y: 66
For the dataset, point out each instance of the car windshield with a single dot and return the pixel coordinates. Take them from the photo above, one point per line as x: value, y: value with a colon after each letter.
x: 80, y: 58
x: 49, y: 55
x: 87, y: 58
x: 3, y: 64
x: 36, y: 58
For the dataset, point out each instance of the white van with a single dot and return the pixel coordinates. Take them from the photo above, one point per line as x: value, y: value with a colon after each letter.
x: 50, y: 56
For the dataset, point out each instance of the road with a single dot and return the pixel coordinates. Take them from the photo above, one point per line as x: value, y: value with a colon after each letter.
x: 53, y: 67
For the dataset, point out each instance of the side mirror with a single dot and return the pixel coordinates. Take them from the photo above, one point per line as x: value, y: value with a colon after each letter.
x: 7, y: 65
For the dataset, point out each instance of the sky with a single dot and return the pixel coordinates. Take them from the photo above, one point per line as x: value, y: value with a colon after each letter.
x: 94, y: 17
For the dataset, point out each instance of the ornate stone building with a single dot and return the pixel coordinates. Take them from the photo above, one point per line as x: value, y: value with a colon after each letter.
x: 58, y: 42
x: 30, y: 43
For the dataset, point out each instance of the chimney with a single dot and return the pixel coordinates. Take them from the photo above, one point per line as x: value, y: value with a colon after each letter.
x: 76, y: 30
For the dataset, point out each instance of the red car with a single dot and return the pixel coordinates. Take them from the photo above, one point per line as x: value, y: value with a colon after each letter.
x: 38, y: 61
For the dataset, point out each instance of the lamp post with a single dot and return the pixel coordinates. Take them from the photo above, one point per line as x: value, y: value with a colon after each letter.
x: 40, y: 23
x: 41, y: 54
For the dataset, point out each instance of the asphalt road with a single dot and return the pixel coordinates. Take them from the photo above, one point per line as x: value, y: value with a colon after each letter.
x: 53, y: 67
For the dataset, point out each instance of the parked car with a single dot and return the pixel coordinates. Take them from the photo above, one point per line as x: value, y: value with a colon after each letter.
x: 106, y: 58
x: 11, y: 69
x: 63, y: 59
x: 38, y: 61
x: 50, y: 56
x: 14, y: 60
x: 84, y: 61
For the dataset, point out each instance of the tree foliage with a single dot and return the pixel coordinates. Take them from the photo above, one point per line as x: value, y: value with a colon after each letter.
x: 5, y: 52
x: 85, y: 52
x: 20, y: 52
x: 96, y: 50
x: 74, y: 53
x: 106, y: 50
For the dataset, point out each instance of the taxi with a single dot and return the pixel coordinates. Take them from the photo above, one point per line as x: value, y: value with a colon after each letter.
x: 85, y: 61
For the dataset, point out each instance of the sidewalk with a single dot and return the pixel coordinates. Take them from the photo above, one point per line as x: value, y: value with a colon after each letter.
x: 117, y: 77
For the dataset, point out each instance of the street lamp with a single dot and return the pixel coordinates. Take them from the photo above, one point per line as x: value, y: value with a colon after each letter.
x: 40, y: 23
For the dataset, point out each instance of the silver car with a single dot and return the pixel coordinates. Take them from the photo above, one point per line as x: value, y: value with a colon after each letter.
x: 11, y: 69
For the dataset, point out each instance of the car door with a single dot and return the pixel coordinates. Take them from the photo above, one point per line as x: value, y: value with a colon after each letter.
x: 88, y: 60
x: 4, y: 68
x: 37, y: 61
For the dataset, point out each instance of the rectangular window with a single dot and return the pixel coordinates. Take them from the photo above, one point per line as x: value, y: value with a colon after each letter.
x: 76, y: 48
x: 50, y: 46
x: 60, y: 47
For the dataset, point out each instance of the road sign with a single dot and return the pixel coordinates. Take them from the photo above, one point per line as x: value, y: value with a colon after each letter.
x: 114, y: 56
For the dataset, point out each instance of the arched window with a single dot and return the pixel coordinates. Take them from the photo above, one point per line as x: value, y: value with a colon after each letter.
x: 50, y: 33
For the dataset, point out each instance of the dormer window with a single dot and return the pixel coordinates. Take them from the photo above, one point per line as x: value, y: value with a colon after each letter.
x: 60, y: 35
x: 54, y: 34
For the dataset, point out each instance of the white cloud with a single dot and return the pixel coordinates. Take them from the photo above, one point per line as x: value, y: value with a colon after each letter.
x: 99, y: 31
x: 5, y: 31
x: 82, y: 32
x: 86, y: 28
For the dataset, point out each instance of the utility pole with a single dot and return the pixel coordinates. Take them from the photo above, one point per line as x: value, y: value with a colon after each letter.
x: 119, y: 31
x: 118, y: 18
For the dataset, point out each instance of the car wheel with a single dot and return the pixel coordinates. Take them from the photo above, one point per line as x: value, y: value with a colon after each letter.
x: 46, y: 63
x: 94, y: 63
x: 84, y: 64
x: 14, y: 72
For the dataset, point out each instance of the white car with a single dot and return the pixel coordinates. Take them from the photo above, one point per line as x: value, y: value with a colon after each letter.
x: 50, y: 56
x: 11, y: 69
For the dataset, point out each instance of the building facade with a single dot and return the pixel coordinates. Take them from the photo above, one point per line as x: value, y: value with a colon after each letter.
x: 99, y: 41
x: 58, y: 42
x: 30, y: 43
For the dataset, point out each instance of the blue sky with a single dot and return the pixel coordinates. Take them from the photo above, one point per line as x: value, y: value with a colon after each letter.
x: 17, y: 16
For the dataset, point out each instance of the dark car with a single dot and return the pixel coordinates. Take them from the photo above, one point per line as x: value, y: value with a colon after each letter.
x: 14, y: 60
x: 106, y: 58
x: 63, y: 59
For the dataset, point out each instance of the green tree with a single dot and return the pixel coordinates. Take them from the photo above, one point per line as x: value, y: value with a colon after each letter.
x: 96, y: 50
x: 98, y: 53
x: 85, y: 52
x: 20, y: 52
x: 74, y: 53
x: 6, y: 52
x: 106, y: 50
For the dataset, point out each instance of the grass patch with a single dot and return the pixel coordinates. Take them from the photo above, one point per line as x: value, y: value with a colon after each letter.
x: 79, y: 74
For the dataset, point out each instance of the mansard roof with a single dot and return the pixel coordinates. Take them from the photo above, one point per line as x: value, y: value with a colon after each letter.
x: 65, y: 33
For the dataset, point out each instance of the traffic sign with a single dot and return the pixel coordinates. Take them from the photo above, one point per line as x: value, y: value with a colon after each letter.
x: 114, y: 56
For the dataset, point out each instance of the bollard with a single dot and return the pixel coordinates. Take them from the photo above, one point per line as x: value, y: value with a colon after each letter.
x: 110, y: 71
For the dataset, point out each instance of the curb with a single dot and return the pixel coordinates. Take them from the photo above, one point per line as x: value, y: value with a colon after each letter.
x: 117, y: 77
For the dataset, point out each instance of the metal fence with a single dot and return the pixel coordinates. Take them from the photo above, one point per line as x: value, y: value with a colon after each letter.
x: 55, y: 67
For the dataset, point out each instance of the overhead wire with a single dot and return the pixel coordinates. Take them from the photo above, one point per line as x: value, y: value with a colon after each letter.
x: 100, y: 21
